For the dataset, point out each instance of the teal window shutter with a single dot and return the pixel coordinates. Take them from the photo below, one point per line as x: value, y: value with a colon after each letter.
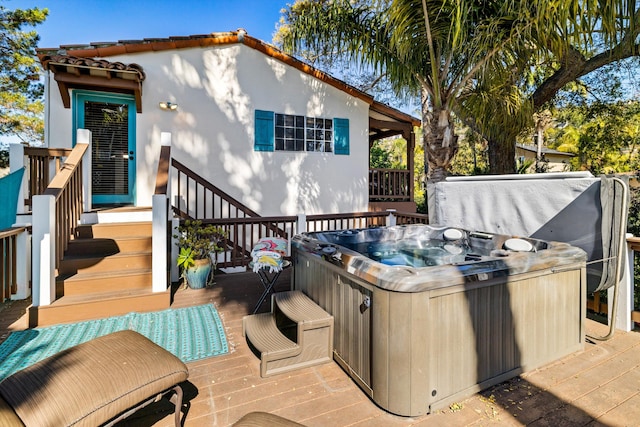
x: 341, y: 136
x: 264, y: 131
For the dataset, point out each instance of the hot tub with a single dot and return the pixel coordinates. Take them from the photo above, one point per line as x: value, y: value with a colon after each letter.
x: 425, y: 315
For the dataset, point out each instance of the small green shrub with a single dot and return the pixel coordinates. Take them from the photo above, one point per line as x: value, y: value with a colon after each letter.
x: 198, y: 241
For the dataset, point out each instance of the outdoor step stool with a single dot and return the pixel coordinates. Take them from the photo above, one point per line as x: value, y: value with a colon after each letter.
x: 99, y: 382
x: 297, y: 333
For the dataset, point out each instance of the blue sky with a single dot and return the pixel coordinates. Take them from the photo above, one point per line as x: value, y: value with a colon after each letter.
x: 85, y: 21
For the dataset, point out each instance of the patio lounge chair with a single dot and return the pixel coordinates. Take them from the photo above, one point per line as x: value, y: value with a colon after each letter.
x: 101, y: 381
x: 264, y: 419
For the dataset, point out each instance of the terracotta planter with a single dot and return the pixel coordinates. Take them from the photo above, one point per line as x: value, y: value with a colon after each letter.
x: 198, y: 275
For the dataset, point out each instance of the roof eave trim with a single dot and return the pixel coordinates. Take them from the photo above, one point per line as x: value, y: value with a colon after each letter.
x: 128, y: 47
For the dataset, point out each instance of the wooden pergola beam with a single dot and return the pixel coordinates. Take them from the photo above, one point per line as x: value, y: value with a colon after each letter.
x: 384, y: 124
x: 68, y: 81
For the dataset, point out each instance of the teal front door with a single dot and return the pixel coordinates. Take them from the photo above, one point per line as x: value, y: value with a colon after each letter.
x: 111, y: 118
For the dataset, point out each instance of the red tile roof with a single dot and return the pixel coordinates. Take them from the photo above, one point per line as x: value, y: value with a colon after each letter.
x: 106, y: 49
x: 121, y: 47
x: 50, y: 62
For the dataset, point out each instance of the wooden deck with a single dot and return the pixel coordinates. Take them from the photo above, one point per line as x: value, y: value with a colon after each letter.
x: 599, y: 386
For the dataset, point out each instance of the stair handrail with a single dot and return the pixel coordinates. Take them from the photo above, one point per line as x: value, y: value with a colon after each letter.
x: 230, y: 202
x: 162, y: 177
x: 57, y: 214
x: 199, y: 206
x: 41, y: 159
x: 66, y: 188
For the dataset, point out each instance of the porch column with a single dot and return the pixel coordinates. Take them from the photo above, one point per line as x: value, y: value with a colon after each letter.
x: 159, y: 223
x: 44, y: 250
x: 410, y: 137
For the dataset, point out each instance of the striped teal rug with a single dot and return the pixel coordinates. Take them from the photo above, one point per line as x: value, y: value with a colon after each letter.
x: 191, y: 333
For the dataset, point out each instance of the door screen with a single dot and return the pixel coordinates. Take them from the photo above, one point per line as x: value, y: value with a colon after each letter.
x: 109, y: 126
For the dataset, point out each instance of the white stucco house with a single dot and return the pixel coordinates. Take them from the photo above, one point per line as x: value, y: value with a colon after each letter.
x: 277, y: 135
x: 246, y: 132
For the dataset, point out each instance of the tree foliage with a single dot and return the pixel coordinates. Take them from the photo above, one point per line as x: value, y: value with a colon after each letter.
x: 472, y: 154
x: 469, y: 58
x: 21, y: 104
x: 604, y: 136
x: 379, y: 156
x: 438, y: 50
x: 595, y: 42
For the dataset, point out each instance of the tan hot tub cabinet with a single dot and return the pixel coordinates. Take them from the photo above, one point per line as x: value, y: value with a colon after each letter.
x: 414, y: 352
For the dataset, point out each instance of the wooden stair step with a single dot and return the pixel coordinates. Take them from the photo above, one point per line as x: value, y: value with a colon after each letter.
x: 114, y: 229
x: 117, y: 262
x: 108, y: 246
x: 76, y: 308
x: 106, y: 271
x: 84, y: 283
x: 100, y: 296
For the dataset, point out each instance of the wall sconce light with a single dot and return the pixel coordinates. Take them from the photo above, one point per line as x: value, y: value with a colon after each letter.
x: 168, y: 106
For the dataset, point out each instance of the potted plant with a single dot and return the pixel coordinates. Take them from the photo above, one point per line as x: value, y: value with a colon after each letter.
x: 197, y: 244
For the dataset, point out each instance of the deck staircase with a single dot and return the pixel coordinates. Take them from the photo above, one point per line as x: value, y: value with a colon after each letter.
x: 106, y: 271
x: 297, y: 333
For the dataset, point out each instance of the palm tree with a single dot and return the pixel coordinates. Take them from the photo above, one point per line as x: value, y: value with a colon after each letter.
x: 440, y: 49
x: 464, y: 57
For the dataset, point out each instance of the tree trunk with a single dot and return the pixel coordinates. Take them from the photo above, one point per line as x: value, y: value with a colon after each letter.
x: 502, y: 156
x: 440, y: 142
x: 440, y: 146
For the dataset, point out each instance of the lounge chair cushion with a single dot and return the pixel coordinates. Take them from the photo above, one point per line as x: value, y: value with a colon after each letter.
x: 8, y: 417
x: 264, y: 419
x: 93, y: 382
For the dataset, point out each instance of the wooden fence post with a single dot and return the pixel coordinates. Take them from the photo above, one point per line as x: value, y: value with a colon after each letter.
x: 391, y: 218
x: 302, y: 223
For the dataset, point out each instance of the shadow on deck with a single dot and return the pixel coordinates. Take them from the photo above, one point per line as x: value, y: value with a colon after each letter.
x: 599, y: 386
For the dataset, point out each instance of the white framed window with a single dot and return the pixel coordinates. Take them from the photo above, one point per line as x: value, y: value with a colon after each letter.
x: 319, y: 134
x: 300, y: 133
x: 287, y: 132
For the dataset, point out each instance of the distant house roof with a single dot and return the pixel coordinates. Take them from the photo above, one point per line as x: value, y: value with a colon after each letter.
x: 545, y: 150
x: 75, y: 52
